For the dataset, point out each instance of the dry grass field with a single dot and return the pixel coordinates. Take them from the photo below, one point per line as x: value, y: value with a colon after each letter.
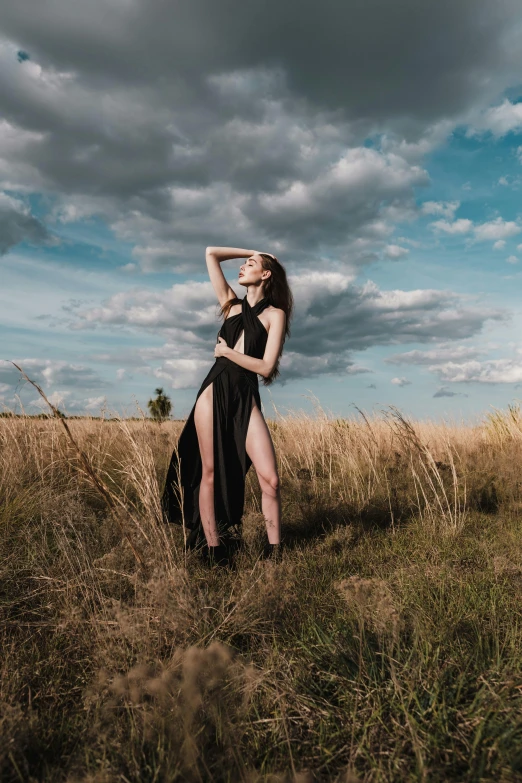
x: 385, y: 646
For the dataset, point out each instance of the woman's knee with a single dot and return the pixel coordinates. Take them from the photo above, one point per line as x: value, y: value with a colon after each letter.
x: 207, y: 475
x: 270, y: 483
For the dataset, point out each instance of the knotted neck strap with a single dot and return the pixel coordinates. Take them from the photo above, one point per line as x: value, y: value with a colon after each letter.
x: 251, y: 323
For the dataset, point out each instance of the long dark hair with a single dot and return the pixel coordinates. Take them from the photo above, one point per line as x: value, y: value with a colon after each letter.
x: 278, y: 292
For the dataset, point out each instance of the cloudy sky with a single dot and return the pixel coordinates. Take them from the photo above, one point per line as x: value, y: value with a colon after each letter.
x: 375, y: 147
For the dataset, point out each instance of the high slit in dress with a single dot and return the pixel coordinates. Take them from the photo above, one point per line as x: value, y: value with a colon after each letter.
x: 234, y: 390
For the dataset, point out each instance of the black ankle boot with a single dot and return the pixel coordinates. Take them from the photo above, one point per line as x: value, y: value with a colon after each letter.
x: 218, y: 555
x: 271, y: 552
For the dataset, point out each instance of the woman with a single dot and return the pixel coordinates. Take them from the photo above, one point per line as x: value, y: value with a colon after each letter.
x: 226, y: 432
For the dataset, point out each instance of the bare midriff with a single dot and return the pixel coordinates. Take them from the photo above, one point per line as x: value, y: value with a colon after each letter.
x: 240, y: 345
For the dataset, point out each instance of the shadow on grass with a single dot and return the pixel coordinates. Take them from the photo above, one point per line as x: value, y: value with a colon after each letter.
x: 319, y: 521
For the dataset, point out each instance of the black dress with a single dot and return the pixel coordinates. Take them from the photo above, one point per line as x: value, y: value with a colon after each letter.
x: 234, y: 389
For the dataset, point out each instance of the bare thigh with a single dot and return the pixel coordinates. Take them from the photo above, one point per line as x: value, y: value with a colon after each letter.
x: 260, y: 449
x: 203, y: 419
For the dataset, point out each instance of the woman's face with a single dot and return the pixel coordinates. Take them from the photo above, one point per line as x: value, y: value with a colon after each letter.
x: 251, y: 271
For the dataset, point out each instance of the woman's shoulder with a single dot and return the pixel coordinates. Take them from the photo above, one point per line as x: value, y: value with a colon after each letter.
x: 271, y: 309
x: 274, y: 315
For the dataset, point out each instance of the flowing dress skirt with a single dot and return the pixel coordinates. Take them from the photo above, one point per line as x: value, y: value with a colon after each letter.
x: 234, y: 392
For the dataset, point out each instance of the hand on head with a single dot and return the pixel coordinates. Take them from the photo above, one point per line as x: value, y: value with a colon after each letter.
x: 268, y: 254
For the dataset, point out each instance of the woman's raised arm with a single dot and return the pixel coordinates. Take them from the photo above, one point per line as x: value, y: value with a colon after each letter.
x: 214, y: 256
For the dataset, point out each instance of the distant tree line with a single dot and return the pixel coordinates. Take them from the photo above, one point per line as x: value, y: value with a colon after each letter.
x: 160, y: 408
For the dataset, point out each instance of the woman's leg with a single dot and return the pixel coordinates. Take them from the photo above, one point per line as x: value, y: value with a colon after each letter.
x: 204, y: 421
x: 260, y: 449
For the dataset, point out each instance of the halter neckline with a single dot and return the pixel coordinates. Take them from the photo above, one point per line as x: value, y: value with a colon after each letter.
x: 265, y: 301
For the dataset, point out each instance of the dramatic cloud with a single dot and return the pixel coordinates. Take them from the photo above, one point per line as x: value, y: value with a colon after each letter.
x: 329, y: 308
x: 499, y: 120
x: 160, y: 119
x: 445, y: 392
x: 395, y: 251
x: 445, y: 208
x: 190, y: 309
x: 490, y: 371
x: 57, y: 398
x: 333, y: 319
x: 18, y: 224
x: 182, y: 373
x: 497, y: 229
x: 441, y: 354
x: 51, y: 373
x: 181, y: 45
x: 459, y: 364
x: 94, y: 404
x: 64, y: 401
x: 461, y: 226
x: 295, y: 365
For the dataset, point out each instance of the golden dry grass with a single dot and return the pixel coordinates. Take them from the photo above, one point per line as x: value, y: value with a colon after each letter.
x: 384, y: 647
